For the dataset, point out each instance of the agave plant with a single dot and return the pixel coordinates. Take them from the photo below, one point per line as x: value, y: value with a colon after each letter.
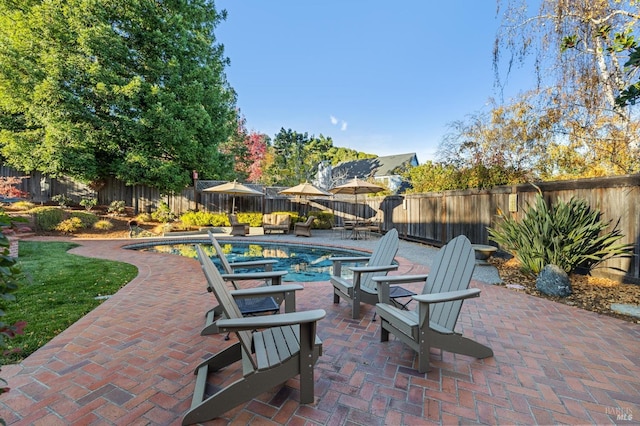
x: 569, y: 235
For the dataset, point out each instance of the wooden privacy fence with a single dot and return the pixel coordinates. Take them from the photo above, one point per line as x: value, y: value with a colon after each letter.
x: 433, y: 218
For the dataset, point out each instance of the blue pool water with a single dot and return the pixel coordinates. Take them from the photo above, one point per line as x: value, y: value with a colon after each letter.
x: 302, y: 263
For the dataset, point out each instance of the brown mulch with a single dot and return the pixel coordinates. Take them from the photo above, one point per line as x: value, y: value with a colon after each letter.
x: 594, y: 294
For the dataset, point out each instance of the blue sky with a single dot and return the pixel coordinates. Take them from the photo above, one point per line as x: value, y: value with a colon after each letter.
x: 376, y: 76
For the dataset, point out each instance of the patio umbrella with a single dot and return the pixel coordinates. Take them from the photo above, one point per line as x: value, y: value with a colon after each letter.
x: 305, y: 190
x: 234, y: 188
x: 355, y: 187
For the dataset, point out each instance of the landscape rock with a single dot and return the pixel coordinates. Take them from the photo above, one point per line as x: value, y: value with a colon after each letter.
x: 553, y: 281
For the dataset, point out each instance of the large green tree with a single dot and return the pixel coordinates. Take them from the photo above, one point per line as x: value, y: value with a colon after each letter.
x: 96, y: 88
x: 295, y: 157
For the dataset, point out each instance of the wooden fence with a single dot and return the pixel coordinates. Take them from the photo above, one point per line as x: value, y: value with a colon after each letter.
x: 433, y: 218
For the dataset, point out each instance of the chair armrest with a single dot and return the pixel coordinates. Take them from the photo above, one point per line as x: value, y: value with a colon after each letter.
x: 265, y: 291
x: 253, y: 263
x: 350, y: 259
x: 268, y: 321
x: 254, y: 275
x: 384, y: 283
x: 447, y: 296
x: 400, y: 279
x: 381, y: 268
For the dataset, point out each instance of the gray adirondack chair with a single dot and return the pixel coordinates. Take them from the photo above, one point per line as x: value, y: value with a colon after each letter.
x: 432, y: 323
x: 286, y: 346
x: 252, y: 301
x: 362, y: 289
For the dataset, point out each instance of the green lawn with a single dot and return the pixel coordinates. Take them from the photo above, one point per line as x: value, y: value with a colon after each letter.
x: 58, y: 289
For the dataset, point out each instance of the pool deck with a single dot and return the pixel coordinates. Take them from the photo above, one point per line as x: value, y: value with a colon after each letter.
x: 130, y: 361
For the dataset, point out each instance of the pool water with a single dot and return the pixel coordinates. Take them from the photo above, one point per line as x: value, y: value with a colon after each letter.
x: 302, y: 263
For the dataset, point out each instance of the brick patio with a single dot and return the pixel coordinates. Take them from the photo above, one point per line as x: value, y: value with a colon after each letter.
x: 131, y: 361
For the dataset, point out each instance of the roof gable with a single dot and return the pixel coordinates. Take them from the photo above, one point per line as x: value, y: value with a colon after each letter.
x: 371, y: 167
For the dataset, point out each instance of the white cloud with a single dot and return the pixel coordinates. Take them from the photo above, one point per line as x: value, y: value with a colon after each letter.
x: 335, y: 121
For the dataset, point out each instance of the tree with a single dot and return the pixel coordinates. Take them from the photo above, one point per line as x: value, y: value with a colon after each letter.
x: 134, y: 90
x: 257, y: 144
x: 296, y: 157
x: 578, y: 49
x: 339, y: 154
x: 433, y: 177
x: 505, y: 145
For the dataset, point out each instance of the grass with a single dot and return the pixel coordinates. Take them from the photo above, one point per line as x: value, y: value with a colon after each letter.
x: 57, y: 289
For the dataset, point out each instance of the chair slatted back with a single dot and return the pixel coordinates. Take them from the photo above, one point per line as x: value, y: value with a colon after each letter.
x: 223, y: 259
x: 229, y: 306
x: 383, y: 254
x: 451, y: 270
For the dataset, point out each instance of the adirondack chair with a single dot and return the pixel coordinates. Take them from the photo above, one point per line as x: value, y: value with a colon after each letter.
x: 286, y: 347
x: 303, y: 229
x: 433, y: 321
x: 362, y: 289
x: 252, y: 301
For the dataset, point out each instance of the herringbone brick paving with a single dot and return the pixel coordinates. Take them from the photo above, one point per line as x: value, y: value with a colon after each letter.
x: 131, y: 361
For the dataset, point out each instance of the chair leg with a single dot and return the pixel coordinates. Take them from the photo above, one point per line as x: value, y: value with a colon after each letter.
x: 423, y: 353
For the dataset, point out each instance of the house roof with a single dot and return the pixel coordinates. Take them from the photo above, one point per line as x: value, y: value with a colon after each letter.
x: 379, y: 166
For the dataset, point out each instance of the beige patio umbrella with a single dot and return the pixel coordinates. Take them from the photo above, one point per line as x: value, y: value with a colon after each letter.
x: 356, y: 186
x: 234, y: 188
x: 305, y: 190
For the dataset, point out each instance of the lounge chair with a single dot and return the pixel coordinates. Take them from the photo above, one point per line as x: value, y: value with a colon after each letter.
x: 432, y: 323
x: 362, y: 289
x: 237, y: 228
x: 287, y: 347
x: 303, y: 229
x: 276, y: 222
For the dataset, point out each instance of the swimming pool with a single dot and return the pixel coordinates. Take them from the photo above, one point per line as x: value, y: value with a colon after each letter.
x: 303, y: 263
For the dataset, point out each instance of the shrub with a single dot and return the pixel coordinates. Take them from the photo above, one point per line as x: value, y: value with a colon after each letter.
x: 201, y: 218
x: 89, y: 203
x: 10, y: 272
x: 323, y: 219
x: 103, y: 225
x: 143, y: 217
x: 569, y: 235
x: 88, y: 219
x: 163, y: 213
x: 62, y: 200
x: 252, y: 218
x: 69, y: 226
x: 47, y: 218
x: 8, y: 187
x: 116, y: 207
x: 22, y: 205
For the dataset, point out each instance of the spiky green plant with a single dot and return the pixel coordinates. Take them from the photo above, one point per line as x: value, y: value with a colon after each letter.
x: 567, y: 234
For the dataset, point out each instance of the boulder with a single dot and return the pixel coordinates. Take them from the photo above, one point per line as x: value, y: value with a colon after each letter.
x: 553, y: 281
